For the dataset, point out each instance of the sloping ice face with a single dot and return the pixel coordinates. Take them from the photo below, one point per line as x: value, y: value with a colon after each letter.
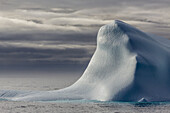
x: 128, y: 65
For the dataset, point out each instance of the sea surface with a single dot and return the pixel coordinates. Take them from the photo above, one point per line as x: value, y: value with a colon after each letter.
x: 66, y: 106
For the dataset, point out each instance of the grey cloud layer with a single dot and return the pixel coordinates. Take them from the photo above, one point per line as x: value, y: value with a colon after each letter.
x: 63, y: 32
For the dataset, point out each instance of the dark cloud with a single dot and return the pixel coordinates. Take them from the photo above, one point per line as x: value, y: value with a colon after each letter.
x: 80, y: 4
x: 31, y: 59
x: 23, y: 58
x: 36, y: 21
x: 35, y: 55
x: 64, y: 39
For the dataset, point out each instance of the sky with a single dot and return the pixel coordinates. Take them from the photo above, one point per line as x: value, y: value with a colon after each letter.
x: 58, y: 37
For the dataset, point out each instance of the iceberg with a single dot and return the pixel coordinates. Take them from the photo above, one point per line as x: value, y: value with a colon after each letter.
x: 128, y: 65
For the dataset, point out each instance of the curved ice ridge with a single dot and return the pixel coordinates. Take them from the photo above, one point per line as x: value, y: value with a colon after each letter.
x: 128, y: 65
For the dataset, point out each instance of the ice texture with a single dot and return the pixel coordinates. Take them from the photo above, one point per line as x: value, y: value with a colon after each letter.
x: 128, y: 65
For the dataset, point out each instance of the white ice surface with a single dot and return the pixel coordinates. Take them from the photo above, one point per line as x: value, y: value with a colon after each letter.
x: 128, y: 65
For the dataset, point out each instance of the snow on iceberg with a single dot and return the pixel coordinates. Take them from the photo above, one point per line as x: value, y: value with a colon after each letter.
x: 128, y: 65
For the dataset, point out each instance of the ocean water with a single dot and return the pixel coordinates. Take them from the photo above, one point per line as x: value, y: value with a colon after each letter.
x: 67, y: 106
x: 37, y: 83
x: 82, y: 107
